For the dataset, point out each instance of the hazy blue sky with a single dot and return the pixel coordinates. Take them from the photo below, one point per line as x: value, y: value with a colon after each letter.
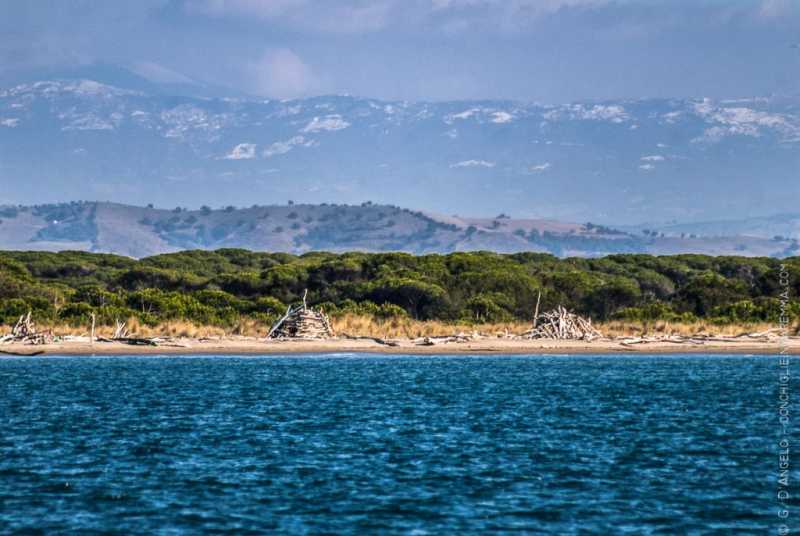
x: 535, y: 50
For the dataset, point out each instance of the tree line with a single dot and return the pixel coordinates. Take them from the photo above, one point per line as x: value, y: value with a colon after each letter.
x: 223, y: 286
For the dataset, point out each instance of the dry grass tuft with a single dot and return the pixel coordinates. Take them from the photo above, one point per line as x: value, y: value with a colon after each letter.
x: 172, y: 328
x: 407, y: 328
x: 662, y: 327
x: 250, y: 328
x: 403, y: 327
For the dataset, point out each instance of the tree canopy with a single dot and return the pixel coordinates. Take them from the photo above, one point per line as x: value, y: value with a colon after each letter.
x: 220, y: 287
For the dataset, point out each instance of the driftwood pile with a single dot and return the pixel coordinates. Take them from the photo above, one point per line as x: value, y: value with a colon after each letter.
x: 302, y: 322
x: 122, y: 335
x: 444, y: 339
x: 379, y: 340
x: 771, y: 335
x: 24, y: 332
x: 562, y: 325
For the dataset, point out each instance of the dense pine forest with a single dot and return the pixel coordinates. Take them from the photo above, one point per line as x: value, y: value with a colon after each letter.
x: 222, y: 287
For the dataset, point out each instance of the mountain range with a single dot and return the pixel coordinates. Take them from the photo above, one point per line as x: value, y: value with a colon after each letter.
x: 302, y: 228
x: 111, y: 135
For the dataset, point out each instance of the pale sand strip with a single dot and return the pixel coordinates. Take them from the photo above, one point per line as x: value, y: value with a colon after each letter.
x: 244, y: 345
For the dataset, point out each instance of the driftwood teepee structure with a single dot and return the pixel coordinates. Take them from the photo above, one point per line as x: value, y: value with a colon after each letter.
x: 561, y: 324
x: 302, y: 322
x: 25, y: 332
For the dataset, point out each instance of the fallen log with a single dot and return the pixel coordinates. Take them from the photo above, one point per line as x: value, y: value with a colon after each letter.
x: 673, y: 339
x: 24, y: 354
x: 442, y: 339
x: 136, y: 341
x: 385, y: 342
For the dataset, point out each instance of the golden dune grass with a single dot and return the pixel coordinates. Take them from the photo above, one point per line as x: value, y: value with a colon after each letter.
x: 662, y: 327
x: 174, y: 328
x: 404, y: 327
x: 407, y: 328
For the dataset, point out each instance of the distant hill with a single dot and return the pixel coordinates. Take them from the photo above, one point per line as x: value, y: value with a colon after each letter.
x: 778, y: 226
x: 142, y: 231
x: 109, y: 134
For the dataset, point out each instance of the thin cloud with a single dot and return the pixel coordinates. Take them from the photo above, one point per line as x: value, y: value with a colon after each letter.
x: 770, y: 9
x: 280, y: 73
x: 269, y: 9
x: 419, y: 49
x: 336, y: 18
x: 505, y: 15
x: 158, y: 73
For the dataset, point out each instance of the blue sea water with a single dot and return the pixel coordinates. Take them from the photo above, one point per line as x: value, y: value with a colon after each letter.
x: 389, y: 444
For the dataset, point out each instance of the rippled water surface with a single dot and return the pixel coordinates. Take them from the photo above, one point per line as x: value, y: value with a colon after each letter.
x: 389, y: 445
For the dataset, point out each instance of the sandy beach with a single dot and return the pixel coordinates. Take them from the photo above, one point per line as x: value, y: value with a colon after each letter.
x: 252, y: 345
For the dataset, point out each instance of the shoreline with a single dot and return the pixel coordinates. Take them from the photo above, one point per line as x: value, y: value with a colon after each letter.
x: 253, y: 346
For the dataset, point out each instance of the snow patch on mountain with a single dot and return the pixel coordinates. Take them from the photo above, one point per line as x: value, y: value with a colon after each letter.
x: 583, y: 112
x: 460, y: 144
x: 672, y: 117
x: 481, y: 115
x: 466, y: 114
x: 501, y: 117
x: 243, y: 151
x: 741, y: 121
x: 473, y: 163
x: 79, y: 88
x: 329, y: 123
x: 90, y: 88
x: 91, y: 121
x: 283, y: 147
x: 180, y: 121
x: 539, y: 168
